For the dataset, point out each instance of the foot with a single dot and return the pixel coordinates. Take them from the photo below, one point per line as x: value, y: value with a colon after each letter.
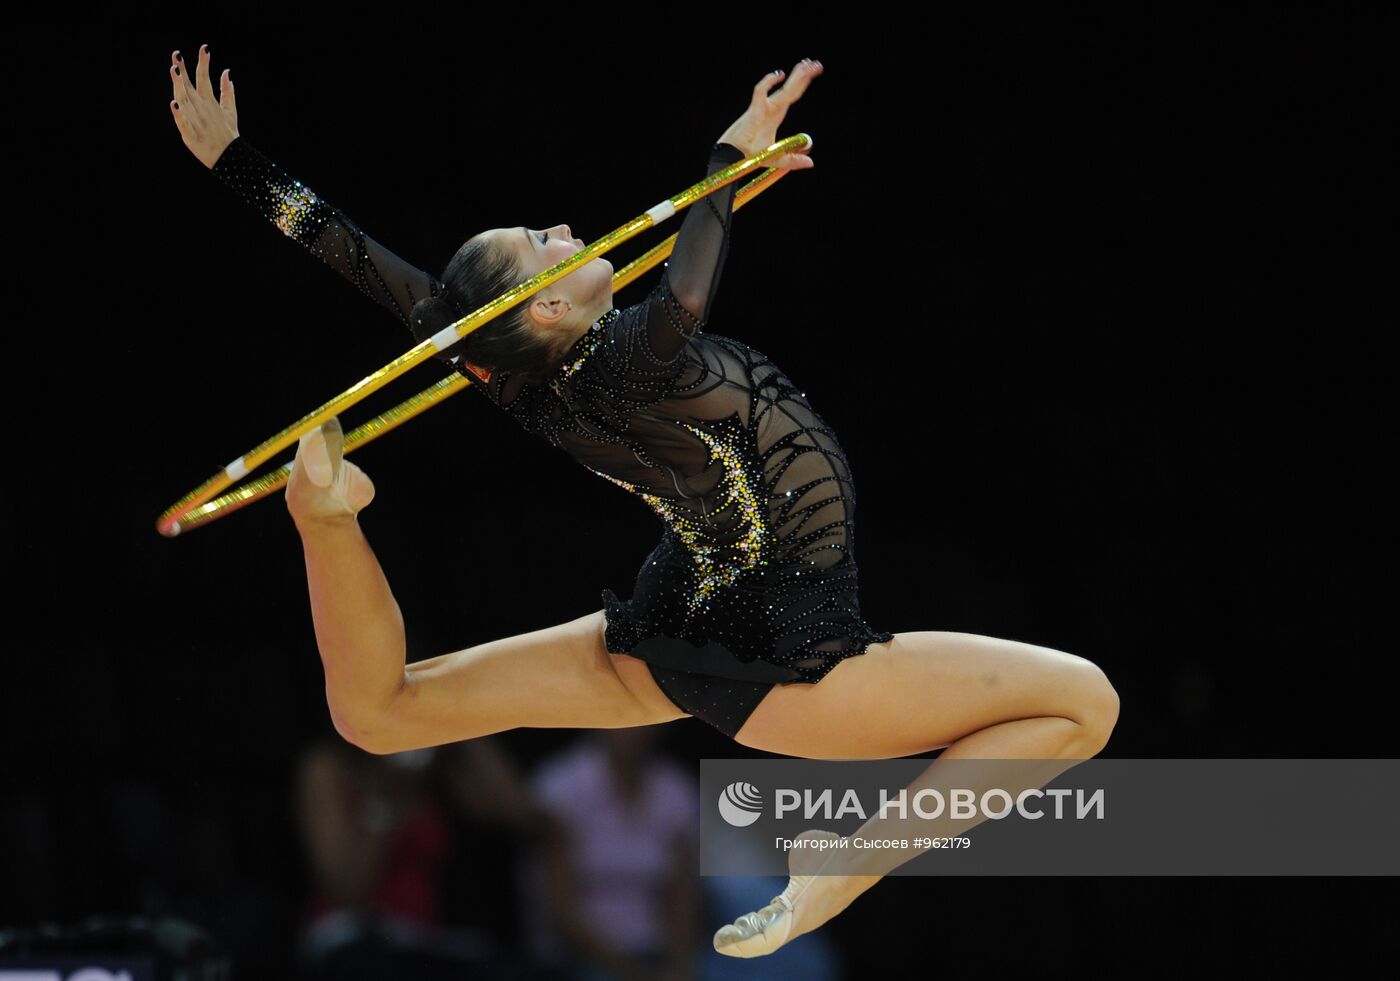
x: 808, y: 901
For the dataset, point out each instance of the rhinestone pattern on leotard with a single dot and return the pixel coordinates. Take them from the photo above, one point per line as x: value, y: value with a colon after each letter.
x: 761, y: 556
x: 716, y: 566
x: 752, y: 487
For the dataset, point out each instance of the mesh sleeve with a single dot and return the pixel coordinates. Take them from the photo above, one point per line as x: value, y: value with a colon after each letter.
x: 330, y: 235
x: 640, y: 358
x: 680, y: 305
x: 326, y: 231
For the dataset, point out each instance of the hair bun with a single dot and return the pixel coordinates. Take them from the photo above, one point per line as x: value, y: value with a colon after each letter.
x: 431, y: 314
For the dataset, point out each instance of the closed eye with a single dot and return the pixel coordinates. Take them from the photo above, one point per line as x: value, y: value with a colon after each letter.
x: 544, y: 238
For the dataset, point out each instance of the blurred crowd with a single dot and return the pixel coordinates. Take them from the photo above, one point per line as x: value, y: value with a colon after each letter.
x: 449, y: 862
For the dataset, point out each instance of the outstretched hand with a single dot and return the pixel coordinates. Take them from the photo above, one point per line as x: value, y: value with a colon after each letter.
x: 323, y: 487
x: 206, y: 125
x: 757, y: 129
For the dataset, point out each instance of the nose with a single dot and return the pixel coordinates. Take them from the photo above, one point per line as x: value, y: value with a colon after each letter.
x: 567, y: 233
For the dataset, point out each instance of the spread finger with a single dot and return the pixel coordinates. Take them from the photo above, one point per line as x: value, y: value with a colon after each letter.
x: 201, y: 73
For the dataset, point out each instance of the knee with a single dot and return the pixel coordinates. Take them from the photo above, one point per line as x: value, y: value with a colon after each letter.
x: 1097, y: 702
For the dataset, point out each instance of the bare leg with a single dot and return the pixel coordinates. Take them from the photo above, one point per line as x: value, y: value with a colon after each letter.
x: 557, y: 677
x: 560, y: 676
x: 1038, y: 709
x: 1023, y: 754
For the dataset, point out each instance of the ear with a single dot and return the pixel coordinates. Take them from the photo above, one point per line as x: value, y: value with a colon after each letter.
x: 549, y: 311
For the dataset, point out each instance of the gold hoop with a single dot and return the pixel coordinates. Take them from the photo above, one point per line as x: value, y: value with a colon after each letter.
x: 200, y: 506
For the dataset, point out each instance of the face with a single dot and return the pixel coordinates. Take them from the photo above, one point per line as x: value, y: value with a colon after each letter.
x: 588, y: 288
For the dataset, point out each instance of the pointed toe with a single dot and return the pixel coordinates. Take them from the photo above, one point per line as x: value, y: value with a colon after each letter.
x: 758, y: 933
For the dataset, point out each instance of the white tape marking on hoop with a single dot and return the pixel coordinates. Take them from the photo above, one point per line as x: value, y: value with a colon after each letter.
x: 661, y: 212
x: 445, y: 338
x: 236, y: 470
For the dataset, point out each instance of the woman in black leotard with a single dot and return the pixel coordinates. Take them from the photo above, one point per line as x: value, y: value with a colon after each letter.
x: 750, y: 597
x: 754, y: 580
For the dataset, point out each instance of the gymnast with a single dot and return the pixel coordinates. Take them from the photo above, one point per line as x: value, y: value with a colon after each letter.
x: 745, y: 614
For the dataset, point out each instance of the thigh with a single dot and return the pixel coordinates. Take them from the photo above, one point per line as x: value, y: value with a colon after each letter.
x: 556, y: 677
x: 922, y: 691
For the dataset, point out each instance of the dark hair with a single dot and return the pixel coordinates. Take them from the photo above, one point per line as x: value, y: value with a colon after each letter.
x: 477, y: 274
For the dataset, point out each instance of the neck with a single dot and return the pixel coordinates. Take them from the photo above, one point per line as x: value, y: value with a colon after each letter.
x: 583, y: 326
x: 569, y: 337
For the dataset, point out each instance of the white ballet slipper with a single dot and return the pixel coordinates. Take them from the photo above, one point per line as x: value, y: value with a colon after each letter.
x: 764, y: 931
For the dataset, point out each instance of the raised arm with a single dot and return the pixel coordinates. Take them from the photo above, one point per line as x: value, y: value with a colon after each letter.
x: 323, y: 229
x: 698, y: 257
x: 679, y: 306
x: 640, y: 356
x: 209, y: 128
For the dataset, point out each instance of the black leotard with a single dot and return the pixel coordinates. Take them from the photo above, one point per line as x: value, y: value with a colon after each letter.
x: 757, y: 499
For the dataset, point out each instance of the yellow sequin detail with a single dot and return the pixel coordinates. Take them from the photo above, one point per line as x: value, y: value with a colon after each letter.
x: 716, y: 565
x: 291, y: 205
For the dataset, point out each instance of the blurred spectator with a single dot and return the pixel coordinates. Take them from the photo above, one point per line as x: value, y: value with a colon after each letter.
x: 614, y: 885
x: 378, y: 833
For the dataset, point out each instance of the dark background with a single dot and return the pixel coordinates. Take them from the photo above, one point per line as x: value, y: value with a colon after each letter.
x: 1099, y: 303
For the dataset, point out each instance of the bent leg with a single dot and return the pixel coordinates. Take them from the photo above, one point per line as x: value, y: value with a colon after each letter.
x: 926, y: 689
x: 1028, y: 713
x: 557, y: 677
x: 560, y: 676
